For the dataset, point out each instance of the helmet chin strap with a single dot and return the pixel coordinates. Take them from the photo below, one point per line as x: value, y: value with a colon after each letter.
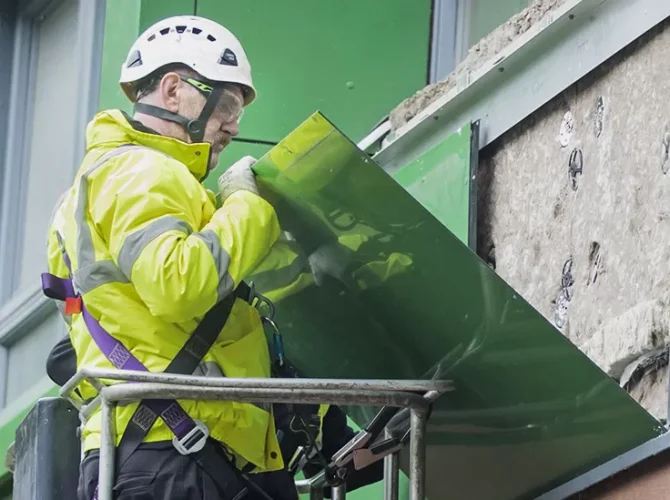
x: 194, y: 128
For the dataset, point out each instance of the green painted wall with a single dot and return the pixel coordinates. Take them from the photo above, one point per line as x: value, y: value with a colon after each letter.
x: 353, y: 60
x: 153, y: 10
x: 121, y: 29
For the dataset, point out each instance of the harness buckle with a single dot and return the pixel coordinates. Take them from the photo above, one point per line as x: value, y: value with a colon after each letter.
x: 193, y: 441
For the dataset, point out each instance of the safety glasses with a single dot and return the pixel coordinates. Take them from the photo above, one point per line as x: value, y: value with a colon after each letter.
x: 230, y: 106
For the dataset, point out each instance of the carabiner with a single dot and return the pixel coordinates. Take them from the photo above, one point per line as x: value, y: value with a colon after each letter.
x: 276, y: 340
x: 258, y: 299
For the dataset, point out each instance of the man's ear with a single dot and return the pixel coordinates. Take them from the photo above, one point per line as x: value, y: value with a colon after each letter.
x: 169, y: 87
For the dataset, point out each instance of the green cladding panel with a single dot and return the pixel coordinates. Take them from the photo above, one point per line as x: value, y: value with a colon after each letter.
x: 352, y: 59
x: 443, y: 181
x: 388, y: 292
x: 121, y: 30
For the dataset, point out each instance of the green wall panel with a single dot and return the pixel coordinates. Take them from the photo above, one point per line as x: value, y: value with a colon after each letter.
x: 121, y: 29
x: 154, y: 10
x: 400, y: 296
x: 352, y: 59
x: 443, y: 181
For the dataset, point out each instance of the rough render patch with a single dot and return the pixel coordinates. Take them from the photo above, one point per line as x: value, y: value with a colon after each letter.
x: 615, y: 226
x: 628, y: 336
x: 487, y: 48
x: 652, y: 393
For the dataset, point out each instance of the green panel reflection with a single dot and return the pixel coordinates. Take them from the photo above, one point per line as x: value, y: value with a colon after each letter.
x: 369, y: 284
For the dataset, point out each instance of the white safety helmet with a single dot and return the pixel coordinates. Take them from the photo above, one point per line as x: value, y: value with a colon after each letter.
x: 198, y: 43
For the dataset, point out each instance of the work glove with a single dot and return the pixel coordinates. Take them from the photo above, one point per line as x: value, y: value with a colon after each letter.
x: 239, y: 177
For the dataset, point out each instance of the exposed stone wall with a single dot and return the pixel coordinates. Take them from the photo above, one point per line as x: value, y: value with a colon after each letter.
x: 575, y: 214
x: 574, y: 205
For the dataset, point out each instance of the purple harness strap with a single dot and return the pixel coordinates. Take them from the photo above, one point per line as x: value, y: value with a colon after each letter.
x: 169, y: 411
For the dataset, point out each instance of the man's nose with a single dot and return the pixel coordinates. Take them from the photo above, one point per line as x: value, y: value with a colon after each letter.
x: 232, y: 128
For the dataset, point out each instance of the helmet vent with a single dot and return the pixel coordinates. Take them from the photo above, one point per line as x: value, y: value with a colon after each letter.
x: 228, y: 58
x: 181, y: 29
x: 134, y: 59
x: 165, y: 31
x: 151, y: 38
x: 196, y: 31
x: 211, y: 38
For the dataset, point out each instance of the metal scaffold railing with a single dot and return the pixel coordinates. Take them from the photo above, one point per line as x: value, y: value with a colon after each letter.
x: 134, y: 386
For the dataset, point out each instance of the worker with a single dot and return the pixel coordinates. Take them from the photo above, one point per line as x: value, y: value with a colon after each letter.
x: 147, y: 270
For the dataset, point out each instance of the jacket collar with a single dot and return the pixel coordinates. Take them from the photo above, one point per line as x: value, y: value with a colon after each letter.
x: 112, y: 128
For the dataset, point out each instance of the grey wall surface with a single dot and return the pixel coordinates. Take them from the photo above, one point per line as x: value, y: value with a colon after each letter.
x: 594, y: 259
x: 44, y: 104
x: 7, y: 19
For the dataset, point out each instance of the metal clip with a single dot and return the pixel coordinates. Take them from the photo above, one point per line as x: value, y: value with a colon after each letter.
x: 194, y: 441
x: 276, y: 339
x: 257, y: 300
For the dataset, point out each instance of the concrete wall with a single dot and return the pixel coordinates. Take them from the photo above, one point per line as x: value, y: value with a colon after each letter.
x: 587, y: 244
x: 590, y: 249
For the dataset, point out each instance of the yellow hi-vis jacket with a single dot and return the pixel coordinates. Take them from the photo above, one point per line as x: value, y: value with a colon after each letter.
x: 151, y: 254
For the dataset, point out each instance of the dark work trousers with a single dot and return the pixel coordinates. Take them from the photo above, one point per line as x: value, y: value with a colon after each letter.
x: 157, y: 471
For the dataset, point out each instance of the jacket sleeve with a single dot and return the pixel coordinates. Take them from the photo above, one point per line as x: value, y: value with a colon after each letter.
x: 149, y: 211
x: 284, y: 271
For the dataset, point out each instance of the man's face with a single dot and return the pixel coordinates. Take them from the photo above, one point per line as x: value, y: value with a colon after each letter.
x: 223, y: 123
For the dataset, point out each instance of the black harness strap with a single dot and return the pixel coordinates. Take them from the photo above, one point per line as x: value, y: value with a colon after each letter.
x: 184, y: 363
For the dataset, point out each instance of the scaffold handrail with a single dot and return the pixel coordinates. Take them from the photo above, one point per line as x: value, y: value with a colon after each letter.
x: 132, y: 386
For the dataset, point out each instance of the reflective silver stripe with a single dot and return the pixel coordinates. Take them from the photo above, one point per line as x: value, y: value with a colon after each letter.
x: 134, y: 243
x: 212, y: 369
x: 208, y: 369
x: 60, y: 304
x: 61, y: 308
x: 274, y: 279
x: 85, y: 250
x: 221, y: 261
x: 99, y: 273
x: 61, y: 198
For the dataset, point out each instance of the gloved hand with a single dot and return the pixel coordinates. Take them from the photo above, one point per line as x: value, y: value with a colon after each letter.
x: 237, y: 178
